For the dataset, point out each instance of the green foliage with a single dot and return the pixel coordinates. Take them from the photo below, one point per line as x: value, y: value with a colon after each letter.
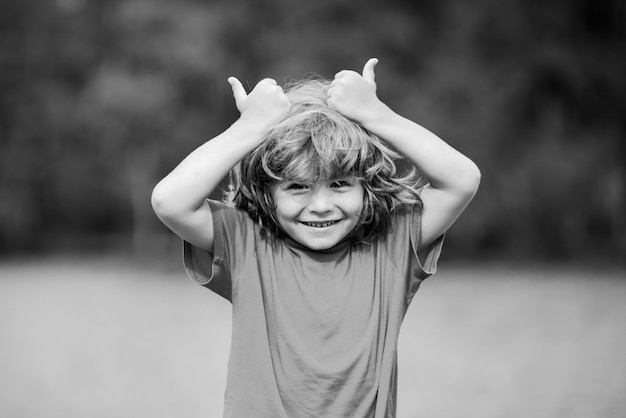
x: 100, y: 99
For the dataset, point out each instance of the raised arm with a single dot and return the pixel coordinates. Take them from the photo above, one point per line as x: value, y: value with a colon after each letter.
x: 179, y: 200
x: 453, y: 178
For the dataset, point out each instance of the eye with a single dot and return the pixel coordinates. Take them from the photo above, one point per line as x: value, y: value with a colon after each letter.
x: 339, y: 184
x: 295, y: 186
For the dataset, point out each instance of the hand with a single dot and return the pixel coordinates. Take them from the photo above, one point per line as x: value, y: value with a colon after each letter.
x: 354, y: 95
x: 266, y: 104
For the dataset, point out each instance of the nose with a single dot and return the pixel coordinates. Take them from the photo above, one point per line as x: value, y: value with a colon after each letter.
x: 320, y: 201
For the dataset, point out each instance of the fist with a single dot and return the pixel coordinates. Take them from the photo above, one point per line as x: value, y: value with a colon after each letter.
x: 266, y: 104
x: 353, y: 94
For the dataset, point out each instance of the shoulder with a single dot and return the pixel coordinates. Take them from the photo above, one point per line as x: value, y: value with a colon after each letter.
x: 227, y: 213
x: 404, y: 223
x: 402, y: 244
x: 232, y: 227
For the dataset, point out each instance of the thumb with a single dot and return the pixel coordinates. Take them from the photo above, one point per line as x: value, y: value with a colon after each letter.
x: 239, y: 92
x: 368, y: 69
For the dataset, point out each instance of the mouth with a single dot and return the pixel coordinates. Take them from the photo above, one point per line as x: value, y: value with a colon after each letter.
x: 324, y: 224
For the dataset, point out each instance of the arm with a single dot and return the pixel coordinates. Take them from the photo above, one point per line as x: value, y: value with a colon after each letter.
x: 179, y: 200
x: 453, y: 178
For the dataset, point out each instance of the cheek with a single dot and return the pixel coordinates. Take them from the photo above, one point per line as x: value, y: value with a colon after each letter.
x: 282, y: 216
x: 286, y: 207
x: 355, y: 204
x: 359, y: 200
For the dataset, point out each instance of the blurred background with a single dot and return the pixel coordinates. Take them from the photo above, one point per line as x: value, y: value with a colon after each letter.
x: 100, y: 99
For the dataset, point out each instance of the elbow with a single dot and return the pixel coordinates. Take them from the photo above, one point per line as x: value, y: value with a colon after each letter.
x: 475, y: 176
x: 157, y: 200
x: 161, y: 204
x: 470, y: 179
x: 169, y: 204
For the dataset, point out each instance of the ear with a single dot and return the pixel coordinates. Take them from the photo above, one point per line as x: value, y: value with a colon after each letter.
x: 368, y: 69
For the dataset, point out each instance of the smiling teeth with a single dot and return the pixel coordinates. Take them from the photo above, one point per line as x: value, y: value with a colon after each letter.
x: 320, y: 224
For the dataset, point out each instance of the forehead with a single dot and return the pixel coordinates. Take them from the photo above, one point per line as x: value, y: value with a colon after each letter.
x: 310, y: 168
x: 318, y: 180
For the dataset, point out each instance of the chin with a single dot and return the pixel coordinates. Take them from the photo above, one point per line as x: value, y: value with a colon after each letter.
x: 318, y: 245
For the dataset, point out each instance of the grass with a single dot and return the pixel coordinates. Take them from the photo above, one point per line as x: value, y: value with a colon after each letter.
x: 113, y: 338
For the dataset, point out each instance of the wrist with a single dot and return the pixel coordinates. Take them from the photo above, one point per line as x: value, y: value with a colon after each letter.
x: 249, y: 128
x: 377, y: 116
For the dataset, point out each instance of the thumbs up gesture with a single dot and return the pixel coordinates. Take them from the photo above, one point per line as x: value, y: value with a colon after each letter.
x: 265, y: 105
x: 354, y: 95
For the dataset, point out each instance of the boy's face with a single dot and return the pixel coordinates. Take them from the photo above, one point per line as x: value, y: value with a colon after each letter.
x: 321, y: 214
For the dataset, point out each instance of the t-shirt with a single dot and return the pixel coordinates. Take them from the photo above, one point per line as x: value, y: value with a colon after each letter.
x: 314, y: 332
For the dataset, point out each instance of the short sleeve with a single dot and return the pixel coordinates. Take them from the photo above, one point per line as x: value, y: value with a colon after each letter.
x: 424, y: 261
x: 233, y: 246
x: 402, y: 245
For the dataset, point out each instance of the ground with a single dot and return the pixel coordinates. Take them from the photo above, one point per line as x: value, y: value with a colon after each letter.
x: 120, y: 338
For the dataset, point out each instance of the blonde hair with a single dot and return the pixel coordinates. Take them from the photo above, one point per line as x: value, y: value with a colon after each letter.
x: 314, y: 142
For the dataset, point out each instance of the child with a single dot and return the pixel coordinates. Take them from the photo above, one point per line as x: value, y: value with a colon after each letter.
x: 317, y: 244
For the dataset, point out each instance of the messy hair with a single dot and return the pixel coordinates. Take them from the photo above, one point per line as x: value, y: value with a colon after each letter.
x: 314, y: 142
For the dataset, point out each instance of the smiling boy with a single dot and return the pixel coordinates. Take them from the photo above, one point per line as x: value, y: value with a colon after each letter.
x: 317, y: 243
x: 321, y: 214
